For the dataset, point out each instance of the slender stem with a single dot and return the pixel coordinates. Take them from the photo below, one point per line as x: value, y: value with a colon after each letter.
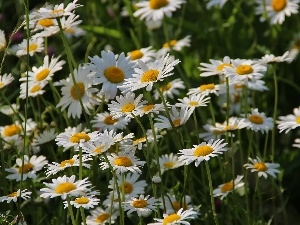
x: 71, y: 212
x: 228, y: 100
x: 80, y: 163
x: 82, y: 216
x: 275, y: 112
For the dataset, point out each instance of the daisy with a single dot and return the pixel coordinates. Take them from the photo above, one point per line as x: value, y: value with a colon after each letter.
x: 148, y: 74
x: 85, y: 202
x: 144, y: 54
x: 176, y: 45
x: 233, y: 123
x: 32, y: 89
x: 105, y: 121
x: 35, y: 45
x: 297, y: 143
x: 211, y: 132
x: 290, y: 121
x: 123, y: 162
x: 217, y: 3
x: 5, y: 80
x: 142, y: 205
x: 2, y: 40
x: 170, y: 89
x: 36, y: 25
x: 173, y: 205
x: 156, y: 10
x: 276, y: 10
x: 215, y: 68
x: 156, y: 179
x: 80, y: 91
x: 224, y: 189
x: 45, y: 136
x: 168, y: 162
x: 205, y: 89
x: 275, y: 59
x: 177, y: 117
x: 64, y: 187
x: 244, y: 70
x: 14, y: 196
x: 27, y: 169
x: 193, y: 101
x: 9, y: 109
x: 150, y: 108
x: 139, y: 143
x: 126, y: 105
x: 74, y: 31
x: 111, y: 71
x: 258, y: 121
x: 201, y: 152
x: 263, y: 169
x: 179, y: 217
x: 102, y: 216
x: 74, y: 161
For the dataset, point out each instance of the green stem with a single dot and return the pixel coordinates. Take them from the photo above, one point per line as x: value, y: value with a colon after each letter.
x: 71, y: 212
x: 82, y: 216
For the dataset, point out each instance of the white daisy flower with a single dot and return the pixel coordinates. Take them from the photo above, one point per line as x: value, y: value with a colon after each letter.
x: 105, y: 121
x: 211, y: 132
x: 216, y: 3
x: 216, y: 67
x: 233, y: 123
x: 101, y: 216
x: 111, y: 71
x: 35, y: 45
x: 148, y: 74
x: 276, y: 10
x: 74, y: 31
x: 36, y: 25
x: 2, y: 40
x: 85, y: 202
x: 139, y: 143
x: 156, y: 10
x: 176, y: 45
x: 32, y: 89
x: 156, y: 179
x: 168, y: 162
x: 179, y: 217
x: 173, y: 204
x: 65, y: 186
x: 44, y: 137
x: 151, y: 108
x: 270, y: 58
x: 15, y: 130
x: 289, y: 122
x: 297, y: 143
x: 170, y: 89
x: 126, y: 105
x: 263, y: 169
x: 55, y: 167
x: 224, y: 189
x: 205, y: 89
x: 123, y: 162
x: 244, y: 70
x: 82, y: 90
x: 201, y: 152
x: 14, y: 196
x: 143, y: 205
x: 28, y: 169
x: 9, y: 109
x: 5, y: 80
x: 144, y: 54
x: 258, y: 121
x: 193, y: 101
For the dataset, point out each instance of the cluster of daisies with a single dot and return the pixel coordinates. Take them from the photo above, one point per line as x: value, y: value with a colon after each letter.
x: 120, y: 90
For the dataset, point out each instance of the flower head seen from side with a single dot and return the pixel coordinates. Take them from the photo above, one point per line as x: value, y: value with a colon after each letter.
x: 289, y: 122
x: 170, y: 90
x: 151, y: 109
x: 28, y: 169
x: 144, y: 54
x: 65, y: 186
x: 201, y: 152
x: 35, y: 45
x: 176, y: 45
x: 276, y: 10
x: 205, y: 89
x: 83, y: 201
x: 270, y: 58
x: 216, y: 67
x: 180, y: 217
x: 168, y: 162
x: 156, y: 10
x: 2, y: 40
x: 5, y: 80
x: 262, y: 168
x: 146, y: 75
x: 224, y: 189
x: 143, y: 205
x: 173, y: 204
x: 44, y: 137
x: 105, y: 121
x: 102, y: 216
x: 193, y: 101
x: 15, y: 195
x: 32, y: 89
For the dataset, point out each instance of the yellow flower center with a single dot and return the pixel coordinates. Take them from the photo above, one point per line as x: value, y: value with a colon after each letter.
x: 136, y: 54
x: 170, y: 43
x: 166, y: 87
x: 42, y: 74
x: 205, y: 87
x: 12, y: 130
x: 138, y: 140
x: 1, y: 83
x: 123, y: 161
x: 80, y: 89
x: 109, y: 120
x: 238, y: 86
x: 129, y: 107
x: 14, y: 194
x: 98, y: 150
x: 57, y: 11
x: 32, y: 47
x: 82, y: 200
x: 177, y: 206
x: 65, y: 162
x: 193, y: 103
x: 260, y: 166
x: 244, y: 69
x: 35, y: 88
x: 168, y: 165
x: 70, y: 30
x: 157, y: 4
x: 203, y: 150
x: 114, y: 74
x: 227, y: 187
x: 171, y: 218
x: 139, y: 203
x: 223, y: 65
x: 256, y: 119
x: 127, y: 188
x: 46, y: 22
x: 64, y: 188
x: 279, y: 5
x: 298, y: 119
x: 76, y: 138
x: 176, y: 122
x: 148, y: 108
x: 150, y: 75
x: 25, y: 168
x: 102, y: 217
